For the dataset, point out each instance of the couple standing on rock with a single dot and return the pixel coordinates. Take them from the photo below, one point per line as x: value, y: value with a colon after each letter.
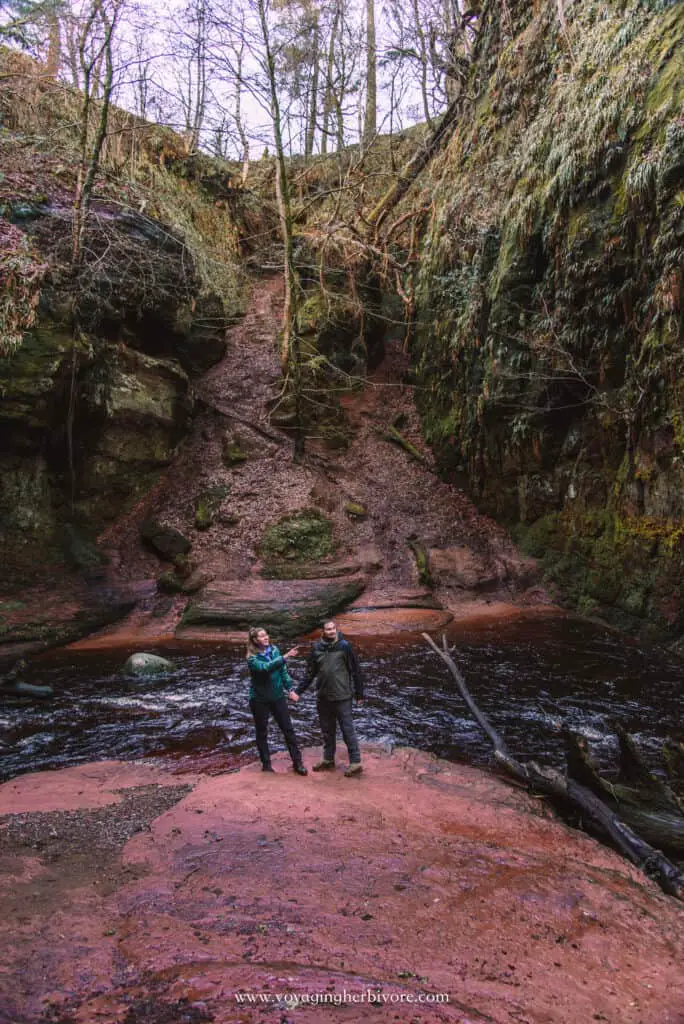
x: 334, y: 666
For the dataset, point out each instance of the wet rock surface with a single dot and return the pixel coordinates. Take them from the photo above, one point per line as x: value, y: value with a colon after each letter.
x: 420, y: 879
x: 59, y: 611
x: 165, y: 541
x: 291, y: 607
x: 143, y: 664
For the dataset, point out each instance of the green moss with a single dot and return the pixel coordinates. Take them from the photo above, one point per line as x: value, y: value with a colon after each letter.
x: 422, y: 563
x: 232, y: 451
x: 625, y: 568
x: 28, y: 376
x: 169, y: 582
x: 208, y: 504
x: 304, y: 536
x: 549, y: 366
x: 539, y: 538
x: 355, y: 510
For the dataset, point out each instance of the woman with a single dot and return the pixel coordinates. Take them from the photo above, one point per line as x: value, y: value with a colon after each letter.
x: 270, y: 681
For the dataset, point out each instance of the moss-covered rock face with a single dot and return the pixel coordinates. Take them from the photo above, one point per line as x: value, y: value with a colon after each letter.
x: 627, y: 566
x: 85, y: 428
x: 207, y: 506
x: 94, y: 362
x: 331, y: 326
x: 302, y: 537
x: 90, y: 417
x: 233, y: 450
x: 165, y: 541
x: 549, y: 357
x: 333, y: 358
x: 28, y: 524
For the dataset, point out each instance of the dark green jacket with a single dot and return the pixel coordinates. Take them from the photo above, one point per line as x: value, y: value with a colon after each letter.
x: 336, y: 670
x: 270, y: 679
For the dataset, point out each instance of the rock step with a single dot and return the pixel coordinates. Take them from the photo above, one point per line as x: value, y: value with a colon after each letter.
x: 287, y: 607
x: 396, y: 597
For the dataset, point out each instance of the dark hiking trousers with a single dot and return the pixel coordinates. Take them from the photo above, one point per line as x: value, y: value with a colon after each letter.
x: 261, y: 710
x: 330, y: 712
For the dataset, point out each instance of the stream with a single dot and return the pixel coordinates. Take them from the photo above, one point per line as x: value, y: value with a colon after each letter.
x: 530, y: 677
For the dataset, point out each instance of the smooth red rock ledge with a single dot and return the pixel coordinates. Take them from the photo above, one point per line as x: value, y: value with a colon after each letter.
x: 387, y: 622
x: 420, y: 877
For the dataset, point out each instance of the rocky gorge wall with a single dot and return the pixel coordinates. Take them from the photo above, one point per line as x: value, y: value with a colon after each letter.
x: 88, y: 420
x: 548, y: 355
x: 96, y: 364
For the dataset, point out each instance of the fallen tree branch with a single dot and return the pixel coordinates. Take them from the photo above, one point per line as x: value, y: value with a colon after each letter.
x: 550, y: 781
x: 420, y: 159
x: 238, y: 419
x: 641, y: 800
x: 395, y: 437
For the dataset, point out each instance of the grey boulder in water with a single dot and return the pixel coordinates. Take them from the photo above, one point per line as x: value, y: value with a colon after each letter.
x: 142, y: 664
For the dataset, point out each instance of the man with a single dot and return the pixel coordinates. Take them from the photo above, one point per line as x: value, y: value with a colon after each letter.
x: 335, y: 667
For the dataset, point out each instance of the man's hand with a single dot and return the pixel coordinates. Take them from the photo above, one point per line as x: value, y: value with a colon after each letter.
x: 292, y: 653
x: 293, y: 696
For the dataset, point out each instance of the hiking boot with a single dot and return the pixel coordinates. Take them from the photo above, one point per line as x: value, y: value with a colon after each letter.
x: 324, y: 766
x: 299, y: 769
x: 354, y: 769
x: 268, y: 768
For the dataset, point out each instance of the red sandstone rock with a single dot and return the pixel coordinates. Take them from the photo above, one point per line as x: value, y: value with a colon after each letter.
x: 419, y: 877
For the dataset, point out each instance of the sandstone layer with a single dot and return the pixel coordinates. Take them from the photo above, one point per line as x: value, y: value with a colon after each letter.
x: 139, y: 896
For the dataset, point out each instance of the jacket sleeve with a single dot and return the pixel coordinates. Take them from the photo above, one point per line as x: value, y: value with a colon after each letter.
x: 310, y: 673
x: 288, y: 681
x: 258, y: 664
x: 355, y: 672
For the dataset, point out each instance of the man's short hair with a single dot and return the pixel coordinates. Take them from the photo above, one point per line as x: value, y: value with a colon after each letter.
x: 329, y: 622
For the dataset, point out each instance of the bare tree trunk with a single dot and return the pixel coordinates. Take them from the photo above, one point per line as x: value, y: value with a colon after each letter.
x: 548, y: 780
x: 244, y: 141
x: 415, y: 165
x: 72, y: 52
x: 313, y: 97
x: 370, y: 121
x: 339, y: 116
x: 200, y: 98
x: 644, y: 802
x: 54, y: 54
x: 89, y: 161
x: 290, y: 351
x: 328, y: 100
x: 282, y: 195
x: 423, y: 54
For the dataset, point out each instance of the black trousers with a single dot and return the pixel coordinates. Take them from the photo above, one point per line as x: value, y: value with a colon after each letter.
x: 262, y: 710
x: 330, y: 712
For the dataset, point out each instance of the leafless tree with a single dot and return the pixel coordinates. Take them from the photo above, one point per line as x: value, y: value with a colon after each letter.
x: 95, y: 55
x: 190, y: 41
x: 371, y: 106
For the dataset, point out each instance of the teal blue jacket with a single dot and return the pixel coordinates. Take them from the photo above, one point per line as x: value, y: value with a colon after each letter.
x: 270, y: 679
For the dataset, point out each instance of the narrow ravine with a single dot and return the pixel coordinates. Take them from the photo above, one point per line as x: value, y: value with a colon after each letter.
x: 473, y: 568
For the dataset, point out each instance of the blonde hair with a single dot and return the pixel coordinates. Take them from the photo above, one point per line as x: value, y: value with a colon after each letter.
x: 252, y: 645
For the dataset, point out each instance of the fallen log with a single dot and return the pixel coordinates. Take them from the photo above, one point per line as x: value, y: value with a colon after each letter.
x: 639, y: 798
x: 19, y: 689
x: 11, y: 685
x: 634, y: 772
x: 394, y: 436
x: 673, y: 755
x: 551, y: 782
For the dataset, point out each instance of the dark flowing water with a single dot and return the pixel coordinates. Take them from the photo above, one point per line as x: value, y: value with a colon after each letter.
x: 529, y: 677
